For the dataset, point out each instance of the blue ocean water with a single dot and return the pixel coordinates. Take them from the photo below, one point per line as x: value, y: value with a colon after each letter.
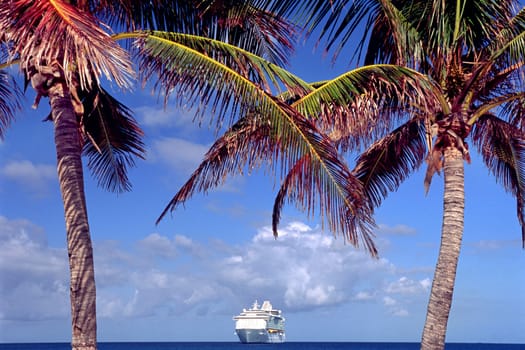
x: 239, y: 346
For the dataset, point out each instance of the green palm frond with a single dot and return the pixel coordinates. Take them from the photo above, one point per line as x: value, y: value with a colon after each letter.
x: 363, y: 104
x: 378, y: 79
x: 510, y: 41
x: 390, y: 160
x: 10, y: 96
x: 112, y: 139
x: 222, y: 78
x: 57, y: 32
x: 512, y: 102
x: 463, y: 23
x: 502, y: 147
x: 514, y: 112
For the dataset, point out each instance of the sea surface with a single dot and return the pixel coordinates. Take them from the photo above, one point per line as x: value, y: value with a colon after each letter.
x: 239, y: 346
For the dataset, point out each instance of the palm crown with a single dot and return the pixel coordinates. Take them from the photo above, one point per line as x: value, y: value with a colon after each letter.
x: 473, y: 60
x: 74, y: 36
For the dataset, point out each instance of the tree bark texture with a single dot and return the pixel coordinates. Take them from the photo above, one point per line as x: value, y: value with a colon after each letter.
x: 80, y: 251
x: 438, y: 310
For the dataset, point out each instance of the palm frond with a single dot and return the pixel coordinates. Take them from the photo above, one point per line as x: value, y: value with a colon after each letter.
x: 47, y: 32
x: 112, y: 139
x: 167, y: 15
x: 390, y: 160
x: 10, y: 95
x: 510, y: 41
x: 222, y: 78
x: 502, y: 147
x: 511, y: 103
x: 396, y: 38
x: 251, y: 28
x: 341, y: 201
x: 363, y: 104
x: 254, y: 139
x: 237, y: 22
x: 322, y: 174
x: 246, y: 144
x: 514, y: 112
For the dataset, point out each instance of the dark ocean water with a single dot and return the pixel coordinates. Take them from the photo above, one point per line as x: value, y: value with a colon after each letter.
x: 239, y: 346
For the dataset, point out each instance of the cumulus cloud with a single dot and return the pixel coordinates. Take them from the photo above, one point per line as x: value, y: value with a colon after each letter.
x: 405, y: 285
x: 156, y: 244
x: 33, y: 276
x: 304, y: 269
x: 181, y: 155
x: 393, y: 307
x: 33, y: 176
x: 161, y: 117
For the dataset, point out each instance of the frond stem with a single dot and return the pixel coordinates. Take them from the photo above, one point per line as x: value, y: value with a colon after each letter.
x: 9, y: 64
x: 493, y: 104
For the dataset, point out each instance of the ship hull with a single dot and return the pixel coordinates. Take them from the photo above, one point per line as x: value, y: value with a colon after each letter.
x: 259, y: 336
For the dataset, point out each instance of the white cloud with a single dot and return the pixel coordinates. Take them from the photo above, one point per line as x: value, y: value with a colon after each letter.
x: 362, y: 295
x: 33, y: 276
x: 389, y: 301
x: 394, y: 308
x: 405, y: 285
x: 161, y: 117
x: 303, y: 269
x: 156, y: 244
x: 181, y: 155
x: 33, y: 176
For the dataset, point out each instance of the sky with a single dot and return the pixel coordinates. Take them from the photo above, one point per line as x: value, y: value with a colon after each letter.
x: 184, y: 279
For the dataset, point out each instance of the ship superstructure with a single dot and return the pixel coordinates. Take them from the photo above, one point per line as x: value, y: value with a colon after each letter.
x: 260, y: 325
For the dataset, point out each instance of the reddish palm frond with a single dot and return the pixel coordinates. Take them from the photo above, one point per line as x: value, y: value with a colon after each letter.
x: 55, y: 32
x: 449, y: 131
x: 246, y: 144
x: 112, y: 140
x: 389, y: 161
x: 347, y: 213
x: 342, y: 201
x: 502, y: 147
x: 10, y: 95
x: 515, y: 112
x: 254, y: 139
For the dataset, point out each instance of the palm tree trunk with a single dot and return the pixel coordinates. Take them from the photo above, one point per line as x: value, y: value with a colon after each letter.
x: 70, y: 175
x: 452, y: 231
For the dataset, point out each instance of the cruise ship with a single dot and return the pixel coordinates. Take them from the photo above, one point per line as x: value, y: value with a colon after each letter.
x: 260, y: 325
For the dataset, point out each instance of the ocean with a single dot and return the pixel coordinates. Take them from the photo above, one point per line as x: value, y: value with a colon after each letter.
x: 239, y: 346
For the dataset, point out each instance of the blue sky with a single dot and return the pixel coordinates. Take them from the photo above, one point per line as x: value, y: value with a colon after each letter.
x: 184, y: 279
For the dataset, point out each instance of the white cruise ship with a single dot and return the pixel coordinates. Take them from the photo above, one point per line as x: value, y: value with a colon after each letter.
x: 260, y: 325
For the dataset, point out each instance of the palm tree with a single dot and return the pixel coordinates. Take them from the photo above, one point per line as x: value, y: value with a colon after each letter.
x: 468, y: 57
x: 64, y: 50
